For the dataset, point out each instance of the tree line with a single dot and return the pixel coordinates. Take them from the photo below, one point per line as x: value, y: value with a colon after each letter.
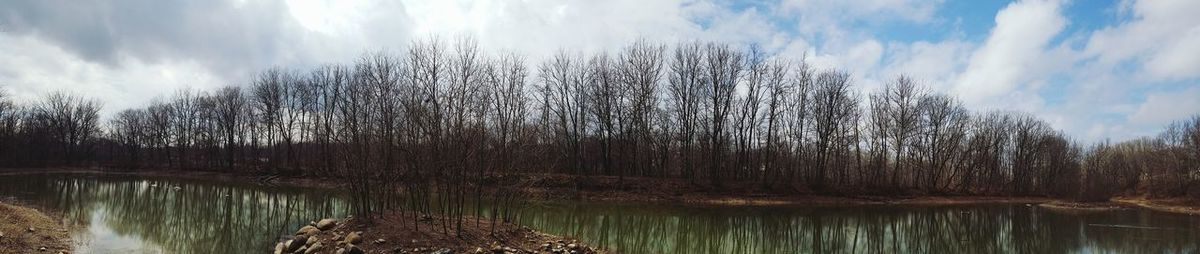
x: 449, y: 118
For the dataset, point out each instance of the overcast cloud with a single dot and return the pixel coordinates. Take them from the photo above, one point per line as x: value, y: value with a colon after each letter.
x: 1121, y: 75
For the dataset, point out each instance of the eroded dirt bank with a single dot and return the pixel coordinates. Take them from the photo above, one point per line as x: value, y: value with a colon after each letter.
x: 27, y: 230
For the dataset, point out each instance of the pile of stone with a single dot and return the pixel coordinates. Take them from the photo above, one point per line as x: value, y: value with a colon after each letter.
x: 563, y: 247
x: 306, y: 240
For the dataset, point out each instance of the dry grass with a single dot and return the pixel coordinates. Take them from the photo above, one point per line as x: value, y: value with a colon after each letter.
x: 15, y: 224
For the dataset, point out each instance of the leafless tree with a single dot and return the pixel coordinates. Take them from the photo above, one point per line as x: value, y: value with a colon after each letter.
x: 722, y: 67
x: 685, y: 86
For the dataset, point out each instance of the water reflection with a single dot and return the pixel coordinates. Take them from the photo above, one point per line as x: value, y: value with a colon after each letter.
x: 962, y: 229
x: 123, y: 214
x: 139, y: 215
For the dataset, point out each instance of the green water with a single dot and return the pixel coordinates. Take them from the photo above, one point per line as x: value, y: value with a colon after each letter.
x: 155, y: 215
x: 150, y: 215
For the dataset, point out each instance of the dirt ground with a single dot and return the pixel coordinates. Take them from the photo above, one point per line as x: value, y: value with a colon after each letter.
x: 27, y: 230
x: 402, y: 233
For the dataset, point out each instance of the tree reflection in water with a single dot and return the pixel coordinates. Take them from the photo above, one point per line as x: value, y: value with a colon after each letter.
x: 212, y: 217
x: 864, y: 229
x: 196, y: 217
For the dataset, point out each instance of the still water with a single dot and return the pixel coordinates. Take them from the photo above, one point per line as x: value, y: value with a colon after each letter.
x: 121, y: 214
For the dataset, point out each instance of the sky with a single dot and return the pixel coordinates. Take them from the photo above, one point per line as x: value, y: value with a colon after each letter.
x: 1098, y: 70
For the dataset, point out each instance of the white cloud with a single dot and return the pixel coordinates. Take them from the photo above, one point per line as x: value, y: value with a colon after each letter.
x: 1013, y: 57
x: 1164, y: 35
x: 936, y: 63
x: 874, y: 10
x: 126, y: 61
x: 1160, y: 108
x: 31, y: 68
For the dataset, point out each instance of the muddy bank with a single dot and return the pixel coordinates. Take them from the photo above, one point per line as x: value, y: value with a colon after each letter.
x: 593, y: 188
x: 1171, y: 205
x: 681, y: 191
x: 1079, y: 208
x: 27, y: 230
x: 404, y: 233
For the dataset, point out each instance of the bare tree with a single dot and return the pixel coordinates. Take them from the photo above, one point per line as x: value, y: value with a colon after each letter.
x: 71, y: 121
x: 685, y: 86
x: 778, y: 88
x: 562, y: 85
x: 722, y: 67
x: 639, y: 69
x: 943, y: 128
x: 900, y: 99
x: 835, y: 110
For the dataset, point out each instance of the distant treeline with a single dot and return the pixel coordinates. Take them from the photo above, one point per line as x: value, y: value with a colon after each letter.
x: 717, y: 114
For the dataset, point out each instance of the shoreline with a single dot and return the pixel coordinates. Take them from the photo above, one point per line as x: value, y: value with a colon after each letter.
x: 29, y: 230
x: 265, y: 180
x: 1083, y: 207
x: 557, y: 193
x: 1169, y: 205
x: 642, y: 191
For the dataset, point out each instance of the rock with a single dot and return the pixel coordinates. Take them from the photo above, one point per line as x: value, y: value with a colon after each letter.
x: 379, y: 241
x: 354, y: 250
x: 326, y: 224
x: 29, y: 229
x: 302, y: 249
x: 279, y: 248
x: 296, y: 243
x: 354, y: 237
x: 478, y: 249
x: 443, y: 251
x: 314, y: 249
x: 311, y: 241
x: 572, y: 246
x: 42, y: 249
x: 308, y: 231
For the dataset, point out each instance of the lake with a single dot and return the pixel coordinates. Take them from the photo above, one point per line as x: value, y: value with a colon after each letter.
x: 128, y: 214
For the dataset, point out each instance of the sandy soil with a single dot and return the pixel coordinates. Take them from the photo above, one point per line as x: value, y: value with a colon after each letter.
x: 27, y: 230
